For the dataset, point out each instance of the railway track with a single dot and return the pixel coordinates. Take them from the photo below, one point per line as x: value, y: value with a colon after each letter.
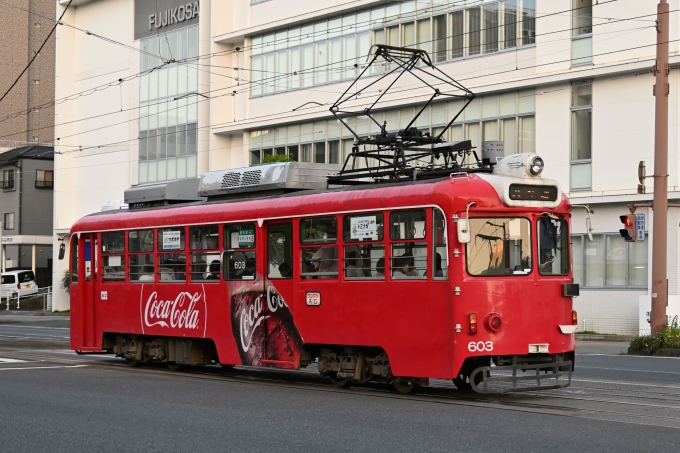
x: 616, y: 401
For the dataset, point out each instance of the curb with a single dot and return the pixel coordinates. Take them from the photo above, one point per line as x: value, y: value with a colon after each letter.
x: 605, y: 337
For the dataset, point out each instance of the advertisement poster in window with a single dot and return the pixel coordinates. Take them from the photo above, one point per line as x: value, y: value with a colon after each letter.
x: 364, y: 228
x: 171, y: 240
x: 246, y: 236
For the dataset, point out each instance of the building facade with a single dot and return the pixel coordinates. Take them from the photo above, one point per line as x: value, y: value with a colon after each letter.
x: 194, y: 87
x: 27, y: 112
x: 26, y: 207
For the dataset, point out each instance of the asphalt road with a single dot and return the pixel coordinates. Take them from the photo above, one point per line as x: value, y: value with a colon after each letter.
x: 54, y: 400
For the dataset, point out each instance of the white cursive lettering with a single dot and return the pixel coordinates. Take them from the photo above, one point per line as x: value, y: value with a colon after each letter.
x: 181, y: 313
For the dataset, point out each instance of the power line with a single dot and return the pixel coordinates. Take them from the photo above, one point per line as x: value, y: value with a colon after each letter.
x: 36, y: 54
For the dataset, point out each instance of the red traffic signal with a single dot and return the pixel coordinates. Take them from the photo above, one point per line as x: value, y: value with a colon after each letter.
x: 629, y: 222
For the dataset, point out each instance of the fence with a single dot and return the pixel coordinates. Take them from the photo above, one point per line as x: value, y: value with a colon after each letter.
x: 44, y: 293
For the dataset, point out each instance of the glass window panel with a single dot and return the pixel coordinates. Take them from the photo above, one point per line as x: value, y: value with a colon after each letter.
x: 320, y: 153
x: 153, y: 85
x: 582, y: 94
x: 171, y: 142
x: 181, y: 140
x: 143, y: 117
x: 307, y: 34
x: 508, y: 104
x: 141, y: 268
x: 457, y: 34
x: 454, y: 109
x: 500, y: 246
x: 348, y: 23
x: 319, y: 130
x: 346, y: 149
x: 334, y: 28
x: 191, y: 166
x: 362, y: 22
x: 307, y: 74
x: 363, y: 227
x: 172, y: 113
x: 143, y: 145
x: 172, y: 168
x: 306, y: 132
x: 408, y: 38
x: 364, y: 261
x: 319, y: 262
x: 581, y: 51
x: 333, y: 128
x: 280, y: 251
x: 408, y: 10
x: 407, y: 225
x: 267, y: 138
x: 171, y: 39
x: 293, y: 133
x: 473, y: 133
x: 615, y: 261
x: 581, y: 176
x: 256, y: 45
x: 527, y: 134
x: 638, y: 266
x: 490, y: 106
x: 509, y: 19
x: 581, y: 17
x: 162, y: 114
x: 280, y: 39
x: 144, y: 47
x: 113, y: 242
x: 269, y: 79
x: 182, y: 79
x: 140, y: 241
x: 320, y: 31
x: 553, y: 246
x: 362, y: 126
x: 192, y: 42
x: 334, y: 152
x: 152, y: 147
x: 153, y: 50
x: 255, y: 157
x: 293, y: 153
x: 509, y: 135
x: 489, y: 130
x: 490, y: 25
x: 363, y: 47
x: 320, y: 62
x: 144, y: 88
x: 424, y: 40
x: 581, y: 138
x: 143, y: 172
x: 473, y: 110
x: 306, y: 152
x: 527, y: 101
x: 280, y: 136
x: 318, y: 230
x: 335, y: 69
x: 255, y: 139
x: 423, y: 120
x: 205, y: 267
x: 474, y: 34
x: 172, y: 267
x: 349, y: 52
x: 114, y: 268
x: 162, y: 142
x: 440, y: 265
x: 392, y: 14
x: 191, y: 139
x: 455, y: 133
x: 408, y: 260
x: 294, y: 66
x: 204, y: 237
x: 528, y: 24
x: 268, y: 42
x: 439, y: 113
x: 281, y: 79
x: 182, y: 43
x: 182, y: 110
x: 240, y: 265
x: 256, y: 75
x: 405, y: 116
x: 439, y: 38
x: 170, y: 239
x: 577, y: 259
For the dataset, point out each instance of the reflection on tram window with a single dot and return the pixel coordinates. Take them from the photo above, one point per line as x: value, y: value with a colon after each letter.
x: 320, y: 262
x: 113, y: 242
x: 409, y: 260
x: 407, y: 224
x: 204, y: 237
x: 499, y: 246
x: 280, y: 250
x: 553, y: 246
x: 172, y: 267
x: 239, y: 236
x: 205, y: 267
x: 318, y: 230
x: 140, y: 241
x: 141, y: 268
x: 240, y: 265
x: 364, y: 227
x: 364, y: 261
x: 114, y: 268
x: 440, y: 264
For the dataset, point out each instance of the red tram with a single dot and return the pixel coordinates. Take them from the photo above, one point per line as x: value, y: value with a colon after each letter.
x: 465, y: 277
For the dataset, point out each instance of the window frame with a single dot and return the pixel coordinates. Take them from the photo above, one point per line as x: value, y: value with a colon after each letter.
x: 627, y: 286
x: 532, y: 246
x: 5, y: 223
x: 182, y: 251
x: 44, y: 183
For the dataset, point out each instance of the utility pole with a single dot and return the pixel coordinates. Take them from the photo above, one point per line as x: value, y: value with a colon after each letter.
x: 660, y: 230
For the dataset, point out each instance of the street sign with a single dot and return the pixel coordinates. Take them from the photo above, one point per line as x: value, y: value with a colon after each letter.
x: 640, y: 228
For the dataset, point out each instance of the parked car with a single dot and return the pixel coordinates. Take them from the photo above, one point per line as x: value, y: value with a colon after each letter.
x: 18, y: 283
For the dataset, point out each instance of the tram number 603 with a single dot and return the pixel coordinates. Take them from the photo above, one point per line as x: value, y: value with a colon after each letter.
x: 480, y: 346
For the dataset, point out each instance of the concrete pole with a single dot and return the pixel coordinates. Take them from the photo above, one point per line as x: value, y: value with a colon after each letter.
x: 660, y: 230
x: 33, y: 258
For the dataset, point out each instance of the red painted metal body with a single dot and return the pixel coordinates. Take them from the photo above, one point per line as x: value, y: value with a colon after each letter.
x: 414, y: 321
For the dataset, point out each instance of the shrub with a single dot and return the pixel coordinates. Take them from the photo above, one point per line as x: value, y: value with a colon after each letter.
x: 66, y: 281
x: 667, y: 338
x: 272, y: 158
x: 645, y: 343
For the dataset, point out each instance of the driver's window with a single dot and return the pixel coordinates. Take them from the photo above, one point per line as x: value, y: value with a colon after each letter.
x: 553, y: 246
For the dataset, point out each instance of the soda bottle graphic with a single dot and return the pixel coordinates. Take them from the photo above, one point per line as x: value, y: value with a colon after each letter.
x: 262, y: 325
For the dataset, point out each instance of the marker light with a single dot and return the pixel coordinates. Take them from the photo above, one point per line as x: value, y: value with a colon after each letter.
x: 493, y: 322
x: 536, y: 166
x: 472, y: 323
x: 574, y: 318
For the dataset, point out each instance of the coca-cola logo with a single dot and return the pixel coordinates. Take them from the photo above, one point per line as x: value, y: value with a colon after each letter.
x: 252, y: 316
x: 183, y: 311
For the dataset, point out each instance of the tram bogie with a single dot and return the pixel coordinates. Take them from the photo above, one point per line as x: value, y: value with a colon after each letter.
x: 143, y: 349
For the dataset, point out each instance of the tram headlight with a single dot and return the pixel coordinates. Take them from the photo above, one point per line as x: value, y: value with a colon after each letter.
x: 536, y: 166
x: 493, y: 322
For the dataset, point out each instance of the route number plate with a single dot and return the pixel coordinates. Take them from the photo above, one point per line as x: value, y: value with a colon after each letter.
x: 313, y: 299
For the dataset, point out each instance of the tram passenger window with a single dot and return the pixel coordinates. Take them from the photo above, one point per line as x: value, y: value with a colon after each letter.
x: 113, y: 243
x: 205, y: 267
x: 499, y: 246
x: 204, y: 237
x: 280, y: 251
x: 172, y: 267
x: 170, y: 239
x: 320, y: 262
x: 364, y: 227
x: 553, y: 246
x: 407, y: 225
x: 409, y: 260
x: 141, y: 268
x: 319, y: 230
x: 240, y: 265
x: 440, y: 266
x: 140, y: 241
x: 114, y: 268
x: 364, y: 261
x: 239, y: 236
x: 74, y: 259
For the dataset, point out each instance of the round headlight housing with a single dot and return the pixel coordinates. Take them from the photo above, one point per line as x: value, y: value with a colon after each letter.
x: 536, y: 166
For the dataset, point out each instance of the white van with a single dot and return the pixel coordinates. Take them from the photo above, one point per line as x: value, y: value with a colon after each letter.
x: 18, y: 283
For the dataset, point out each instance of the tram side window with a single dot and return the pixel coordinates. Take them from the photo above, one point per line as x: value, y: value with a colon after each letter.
x: 553, y: 246
x: 140, y: 241
x: 409, y: 260
x: 364, y: 261
x: 240, y: 265
x: 319, y: 262
x: 407, y: 225
x: 205, y: 267
x: 280, y: 251
x: 440, y: 266
x: 141, y: 268
x: 171, y: 256
x: 319, y: 230
x: 204, y: 237
x: 499, y: 246
x: 74, y: 260
x: 113, y: 258
x: 363, y: 228
x: 239, y: 236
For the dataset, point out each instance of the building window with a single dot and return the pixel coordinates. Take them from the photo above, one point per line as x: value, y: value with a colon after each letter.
x: 286, y: 59
x: 581, y: 135
x: 8, y: 222
x: 609, y: 262
x: 581, y: 32
x: 7, y: 179
x: 168, y: 112
x: 509, y: 117
x: 44, y: 179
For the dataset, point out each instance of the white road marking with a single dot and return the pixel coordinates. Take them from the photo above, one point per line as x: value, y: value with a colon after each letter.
x: 32, y: 327
x: 625, y: 369
x: 11, y: 360
x: 626, y: 383
x: 43, y: 367
x: 630, y: 356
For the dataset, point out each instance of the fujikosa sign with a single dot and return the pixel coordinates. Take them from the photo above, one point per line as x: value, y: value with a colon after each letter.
x: 154, y: 17
x: 173, y: 15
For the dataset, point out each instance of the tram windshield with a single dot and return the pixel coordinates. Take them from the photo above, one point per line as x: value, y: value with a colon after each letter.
x: 499, y: 246
x: 553, y: 246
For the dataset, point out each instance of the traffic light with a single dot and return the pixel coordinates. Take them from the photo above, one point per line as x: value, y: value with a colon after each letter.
x: 628, y: 233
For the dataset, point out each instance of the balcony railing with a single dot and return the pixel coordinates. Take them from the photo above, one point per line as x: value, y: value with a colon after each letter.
x: 6, y: 183
x: 44, y: 184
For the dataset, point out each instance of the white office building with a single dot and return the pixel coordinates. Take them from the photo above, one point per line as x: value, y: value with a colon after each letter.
x: 178, y: 89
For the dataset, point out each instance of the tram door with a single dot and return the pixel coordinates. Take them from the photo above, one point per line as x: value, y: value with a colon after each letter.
x: 278, y: 272
x: 87, y: 296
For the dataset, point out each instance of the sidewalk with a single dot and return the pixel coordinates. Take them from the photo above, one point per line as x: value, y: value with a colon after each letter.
x: 601, y: 347
x: 34, y: 318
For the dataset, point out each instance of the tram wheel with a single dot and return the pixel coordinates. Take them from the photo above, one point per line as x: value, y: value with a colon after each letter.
x: 174, y: 366
x: 341, y: 383
x: 405, y: 386
x: 461, y: 383
x: 132, y: 362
